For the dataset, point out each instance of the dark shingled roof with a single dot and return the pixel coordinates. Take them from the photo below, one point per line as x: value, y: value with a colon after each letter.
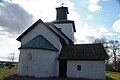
x: 39, y: 42
x: 83, y: 52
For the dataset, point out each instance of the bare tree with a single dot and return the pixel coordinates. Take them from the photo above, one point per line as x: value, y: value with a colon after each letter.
x: 11, y: 57
x: 114, y: 46
x: 100, y: 40
x: 111, y: 46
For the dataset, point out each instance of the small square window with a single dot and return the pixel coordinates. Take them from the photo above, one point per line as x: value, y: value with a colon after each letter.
x: 79, y: 67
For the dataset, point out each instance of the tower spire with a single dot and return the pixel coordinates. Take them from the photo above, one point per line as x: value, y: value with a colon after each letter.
x: 62, y: 13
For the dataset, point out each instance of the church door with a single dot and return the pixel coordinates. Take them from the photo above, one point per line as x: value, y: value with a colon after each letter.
x: 62, y: 68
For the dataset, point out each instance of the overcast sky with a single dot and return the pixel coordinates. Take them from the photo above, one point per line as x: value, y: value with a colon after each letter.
x: 93, y: 19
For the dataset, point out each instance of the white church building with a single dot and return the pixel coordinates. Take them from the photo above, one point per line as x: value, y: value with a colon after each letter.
x: 48, y: 50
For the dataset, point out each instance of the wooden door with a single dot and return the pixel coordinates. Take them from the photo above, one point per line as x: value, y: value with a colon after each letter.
x: 62, y: 68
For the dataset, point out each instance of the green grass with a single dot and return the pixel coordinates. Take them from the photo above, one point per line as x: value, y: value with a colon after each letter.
x: 113, y: 75
x: 5, y: 71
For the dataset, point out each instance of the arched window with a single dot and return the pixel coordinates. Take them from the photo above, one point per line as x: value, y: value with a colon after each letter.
x: 29, y: 57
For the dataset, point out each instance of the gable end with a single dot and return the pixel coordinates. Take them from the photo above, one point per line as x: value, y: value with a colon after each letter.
x: 33, y: 26
x: 39, y: 42
x: 29, y: 29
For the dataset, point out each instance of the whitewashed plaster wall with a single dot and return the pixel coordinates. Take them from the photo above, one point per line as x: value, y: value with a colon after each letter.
x: 66, y: 40
x: 89, y: 69
x: 67, y: 29
x: 43, y: 63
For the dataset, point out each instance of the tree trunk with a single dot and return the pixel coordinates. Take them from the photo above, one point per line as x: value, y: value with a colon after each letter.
x: 115, y: 61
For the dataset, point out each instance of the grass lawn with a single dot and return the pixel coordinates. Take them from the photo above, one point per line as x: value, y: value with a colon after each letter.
x: 113, y: 75
x: 8, y: 72
x: 5, y: 71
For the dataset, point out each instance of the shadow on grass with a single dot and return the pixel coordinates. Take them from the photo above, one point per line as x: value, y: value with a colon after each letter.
x: 16, y: 77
